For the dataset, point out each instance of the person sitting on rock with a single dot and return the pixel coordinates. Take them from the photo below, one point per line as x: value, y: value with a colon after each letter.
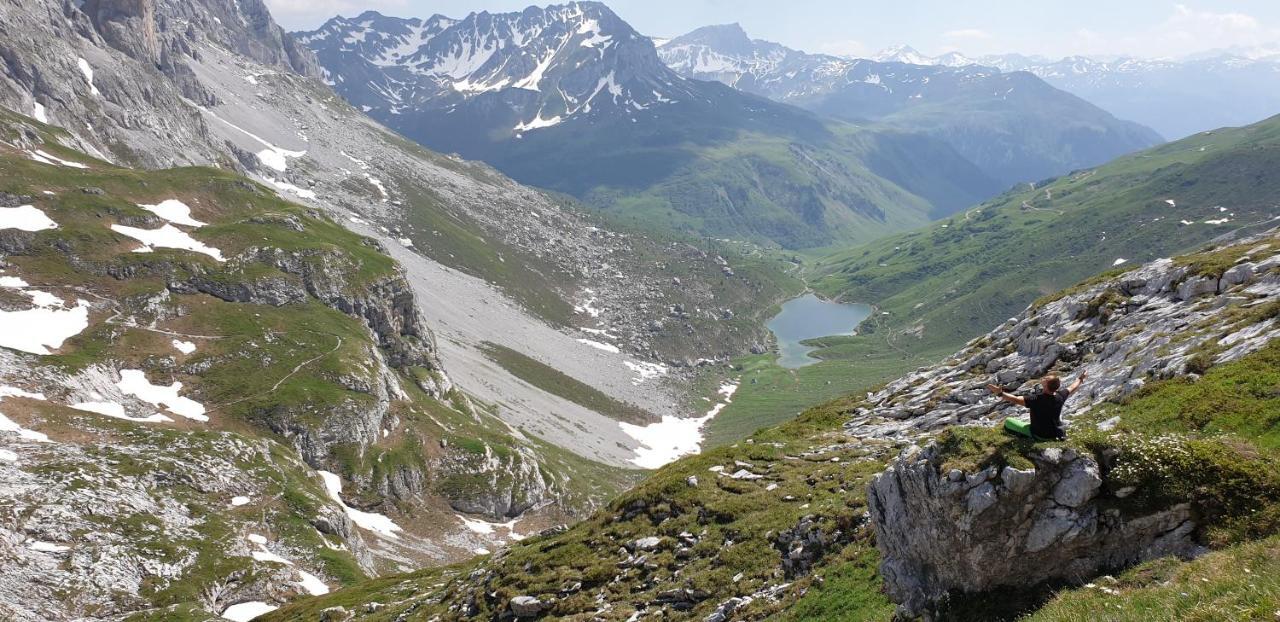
x: 1046, y: 408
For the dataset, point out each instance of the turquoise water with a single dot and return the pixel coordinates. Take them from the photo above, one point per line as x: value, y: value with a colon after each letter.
x: 809, y: 317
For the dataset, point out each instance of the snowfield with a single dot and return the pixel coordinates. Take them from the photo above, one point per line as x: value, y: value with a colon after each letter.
x: 25, y: 218
x: 376, y: 523
x: 134, y: 382
x: 174, y: 211
x: 243, y: 612
x: 674, y: 437
x: 167, y: 236
x: 42, y: 329
x: 116, y: 411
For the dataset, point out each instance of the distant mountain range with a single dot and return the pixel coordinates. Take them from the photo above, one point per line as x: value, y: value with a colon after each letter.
x: 1176, y: 97
x: 1014, y: 126
x: 573, y: 99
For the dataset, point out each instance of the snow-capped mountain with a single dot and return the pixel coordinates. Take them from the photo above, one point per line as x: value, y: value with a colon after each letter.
x: 550, y: 64
x: 1014, y: 126
x: 572, y: 98
x: 903, y: 54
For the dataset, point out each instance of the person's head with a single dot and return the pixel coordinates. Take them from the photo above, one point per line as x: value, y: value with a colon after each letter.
x: 1051, y: 383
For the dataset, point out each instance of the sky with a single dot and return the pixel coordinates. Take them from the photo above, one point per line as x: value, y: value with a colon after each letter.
x: 1055, y: 28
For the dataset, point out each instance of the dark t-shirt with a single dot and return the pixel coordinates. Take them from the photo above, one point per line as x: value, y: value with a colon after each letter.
x: 1046, y: 414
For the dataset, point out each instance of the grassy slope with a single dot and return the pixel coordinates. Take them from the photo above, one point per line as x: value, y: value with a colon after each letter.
x: 938, y: 287
x: 728, y: 165
x: 549, y: 379
x: 744, y: 513
x: 1231, y: 475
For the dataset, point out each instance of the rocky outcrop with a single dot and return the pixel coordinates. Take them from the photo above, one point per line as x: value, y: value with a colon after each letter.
x: 385, y: 304
x: 493, y: 485
x: 1144, y: 325
x: 953, y: 532
x: 127, y: 25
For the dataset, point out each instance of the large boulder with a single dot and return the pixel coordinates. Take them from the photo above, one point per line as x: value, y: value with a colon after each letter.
x: 954, y: 532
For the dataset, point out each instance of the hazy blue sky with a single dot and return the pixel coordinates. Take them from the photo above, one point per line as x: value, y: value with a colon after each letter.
x: 1050, y: 27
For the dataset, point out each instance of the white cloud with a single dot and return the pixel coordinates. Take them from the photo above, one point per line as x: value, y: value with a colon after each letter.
x: 1184, y: 31
x: 845, y: 47
x: 967, y: 33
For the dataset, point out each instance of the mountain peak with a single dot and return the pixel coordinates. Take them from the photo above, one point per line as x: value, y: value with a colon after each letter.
x: 725, y: 38
x: 903, y: 54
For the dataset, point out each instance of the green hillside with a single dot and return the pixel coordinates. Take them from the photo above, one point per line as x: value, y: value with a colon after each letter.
x: 733, y: 166
x: 944, y: 284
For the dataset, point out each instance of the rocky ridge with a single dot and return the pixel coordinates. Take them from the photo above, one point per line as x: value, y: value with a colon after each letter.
x: 1155, y: 321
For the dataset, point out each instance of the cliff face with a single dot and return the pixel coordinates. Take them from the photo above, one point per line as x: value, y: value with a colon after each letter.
x: 943, y: 532
x: 58, y: 61
x: 127, y: 25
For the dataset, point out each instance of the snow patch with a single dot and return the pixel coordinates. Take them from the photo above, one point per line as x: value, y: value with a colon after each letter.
x: 601, y: 346
x: 87, y: 71
x: 134, y: 382
x: 7, y: 391
x: 376, y: 523
x: 47, y: 547
x: 673, y: 437
x: 46, y: 326
x: 25, y: 218
x: 311, y: 584
x: 292, y: 189
x: 167, y: 236
x: 645, y: 371
x: 174, y: 211
x: 8, y: 425
x: 44, y: 157
x: 240, y: 500
x: 264, y: 555
x: 1119, y: 261
x: 185, y: 347
x: 486, y: 528
x: 116, y: 411
x: 588, y: 307
x: 39, y: 114
x: 244, y: 612
x: 538, y: 123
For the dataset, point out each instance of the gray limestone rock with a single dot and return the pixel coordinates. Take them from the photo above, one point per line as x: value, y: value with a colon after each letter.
x: 940, y: 535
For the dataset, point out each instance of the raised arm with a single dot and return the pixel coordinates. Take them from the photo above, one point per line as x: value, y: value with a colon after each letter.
x: 1079, y: 381
x: 1008, y: 397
